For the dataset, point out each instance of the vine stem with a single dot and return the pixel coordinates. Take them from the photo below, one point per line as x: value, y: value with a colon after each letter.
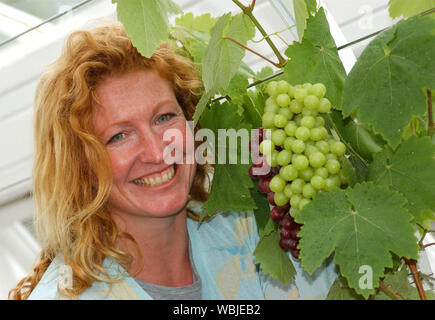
x: 253, y: 51
x: 387, y: 289
x: 248, y: 12
x: 430, y: 124
x: 412, y: 264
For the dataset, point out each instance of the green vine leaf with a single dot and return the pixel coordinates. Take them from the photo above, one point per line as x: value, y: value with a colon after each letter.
x: 231, y: 182
x: 316, y: 59
x: 411, y: 171
x: 223, y: 57
x: 202, y: 23
x: 272, y: 259
x: 146, y: 22
x: 359, y: 136
x: 261, y: 212
x: 408, y: 8
x: 302, y: 10
x: 398, y: 287
x: 385, y: 86
x: 360, y: 226
x: 341, y: 291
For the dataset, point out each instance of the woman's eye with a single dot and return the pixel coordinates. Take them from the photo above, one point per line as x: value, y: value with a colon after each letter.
x: 116, y: 138
x: 165, y: 117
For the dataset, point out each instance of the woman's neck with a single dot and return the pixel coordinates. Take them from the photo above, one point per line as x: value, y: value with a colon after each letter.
x: 164, y: 245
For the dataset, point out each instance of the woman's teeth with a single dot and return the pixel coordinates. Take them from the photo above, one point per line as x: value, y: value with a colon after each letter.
x: 156, y: 179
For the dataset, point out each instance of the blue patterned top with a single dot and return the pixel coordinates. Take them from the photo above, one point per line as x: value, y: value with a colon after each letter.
x: 222, y: 250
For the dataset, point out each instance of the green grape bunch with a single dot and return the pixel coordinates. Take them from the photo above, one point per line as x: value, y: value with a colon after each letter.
x: 305, y: 158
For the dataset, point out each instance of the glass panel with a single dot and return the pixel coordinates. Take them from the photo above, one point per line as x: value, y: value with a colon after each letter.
x: 3, y: 37
x: 41, y: 9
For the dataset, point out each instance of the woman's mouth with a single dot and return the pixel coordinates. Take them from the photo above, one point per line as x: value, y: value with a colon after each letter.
x: 157, y: 179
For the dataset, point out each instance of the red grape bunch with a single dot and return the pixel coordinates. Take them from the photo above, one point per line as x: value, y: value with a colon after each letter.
x: 303, y: 156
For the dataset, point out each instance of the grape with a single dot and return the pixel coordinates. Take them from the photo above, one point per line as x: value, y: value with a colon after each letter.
x: 311, y: 102
x: 294, y: 200
x: 271, y: 159
x: 316, y: 134
x: 308, y: 191
x: 308, y: 112
x: 317, y: 159
x: 306, y: 174
x: 286, y: 112
x: 303, y: 203
x: 267, y: 120
x: 293, y: 212
x: 263, y: 185
x: 321, y: 172
x: 308, y: 122
x: 272, y: 88
x: 297, y: 186
x: 329, y: 184
x: 324, y: 105
x: 317, y: 89
x: 273, y: 108
x: 287, y: 223
x: 295, y: 253
x: 338, y: 148
x: 285, y: 233
x: 296, y: 106
x: 290, y: 128
x: 322, y: 146
x: 336, y: 180
x: 298, y: 146
x: 291, y: 91
x: 279, y: 136
x: 300, y: 94
x: 333, y: 166
x: 277, y: 184
x: 288, y: 191
x: 307, y: 85
x: 270, y: 199
x: 270, y: 101
x: 310, y: 149
x: 283, y: 100
x: 288, y: 142
x: 288, y: 173
x: 300, y: 162
x: 280, y: 120
x: 275, y: 170
x: 280, y: 199
x: 282, y: 86
x: 284, y: 157
x: 318, y: 182
x: 288, y: 244
x: 276, y: 214
x: 266, y: 147
x: 285, y: 208
x: 303, y: 133
x: 331, y: 156
x: 320, y: 122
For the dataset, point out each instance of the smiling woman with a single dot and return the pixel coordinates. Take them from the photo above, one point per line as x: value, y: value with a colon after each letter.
x: 114, y: 215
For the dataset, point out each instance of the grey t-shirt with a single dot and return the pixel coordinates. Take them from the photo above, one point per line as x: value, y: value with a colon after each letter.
x: 189, y: 292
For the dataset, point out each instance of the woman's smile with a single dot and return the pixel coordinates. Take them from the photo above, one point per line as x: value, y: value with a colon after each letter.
x: 158, y: 178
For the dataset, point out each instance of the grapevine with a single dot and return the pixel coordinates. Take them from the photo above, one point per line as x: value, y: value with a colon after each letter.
x: 354, y: 150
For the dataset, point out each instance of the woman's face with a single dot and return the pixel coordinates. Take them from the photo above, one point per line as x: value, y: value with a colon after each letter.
x: 135, y: 111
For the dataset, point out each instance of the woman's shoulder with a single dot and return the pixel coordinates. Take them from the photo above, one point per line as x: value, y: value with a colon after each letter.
x: 58, y: 277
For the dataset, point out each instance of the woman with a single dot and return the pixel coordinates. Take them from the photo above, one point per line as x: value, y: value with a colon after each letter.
x: 112, y: 211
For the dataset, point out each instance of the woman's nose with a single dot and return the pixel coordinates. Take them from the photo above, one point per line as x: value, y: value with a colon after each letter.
x: 151, y: 148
